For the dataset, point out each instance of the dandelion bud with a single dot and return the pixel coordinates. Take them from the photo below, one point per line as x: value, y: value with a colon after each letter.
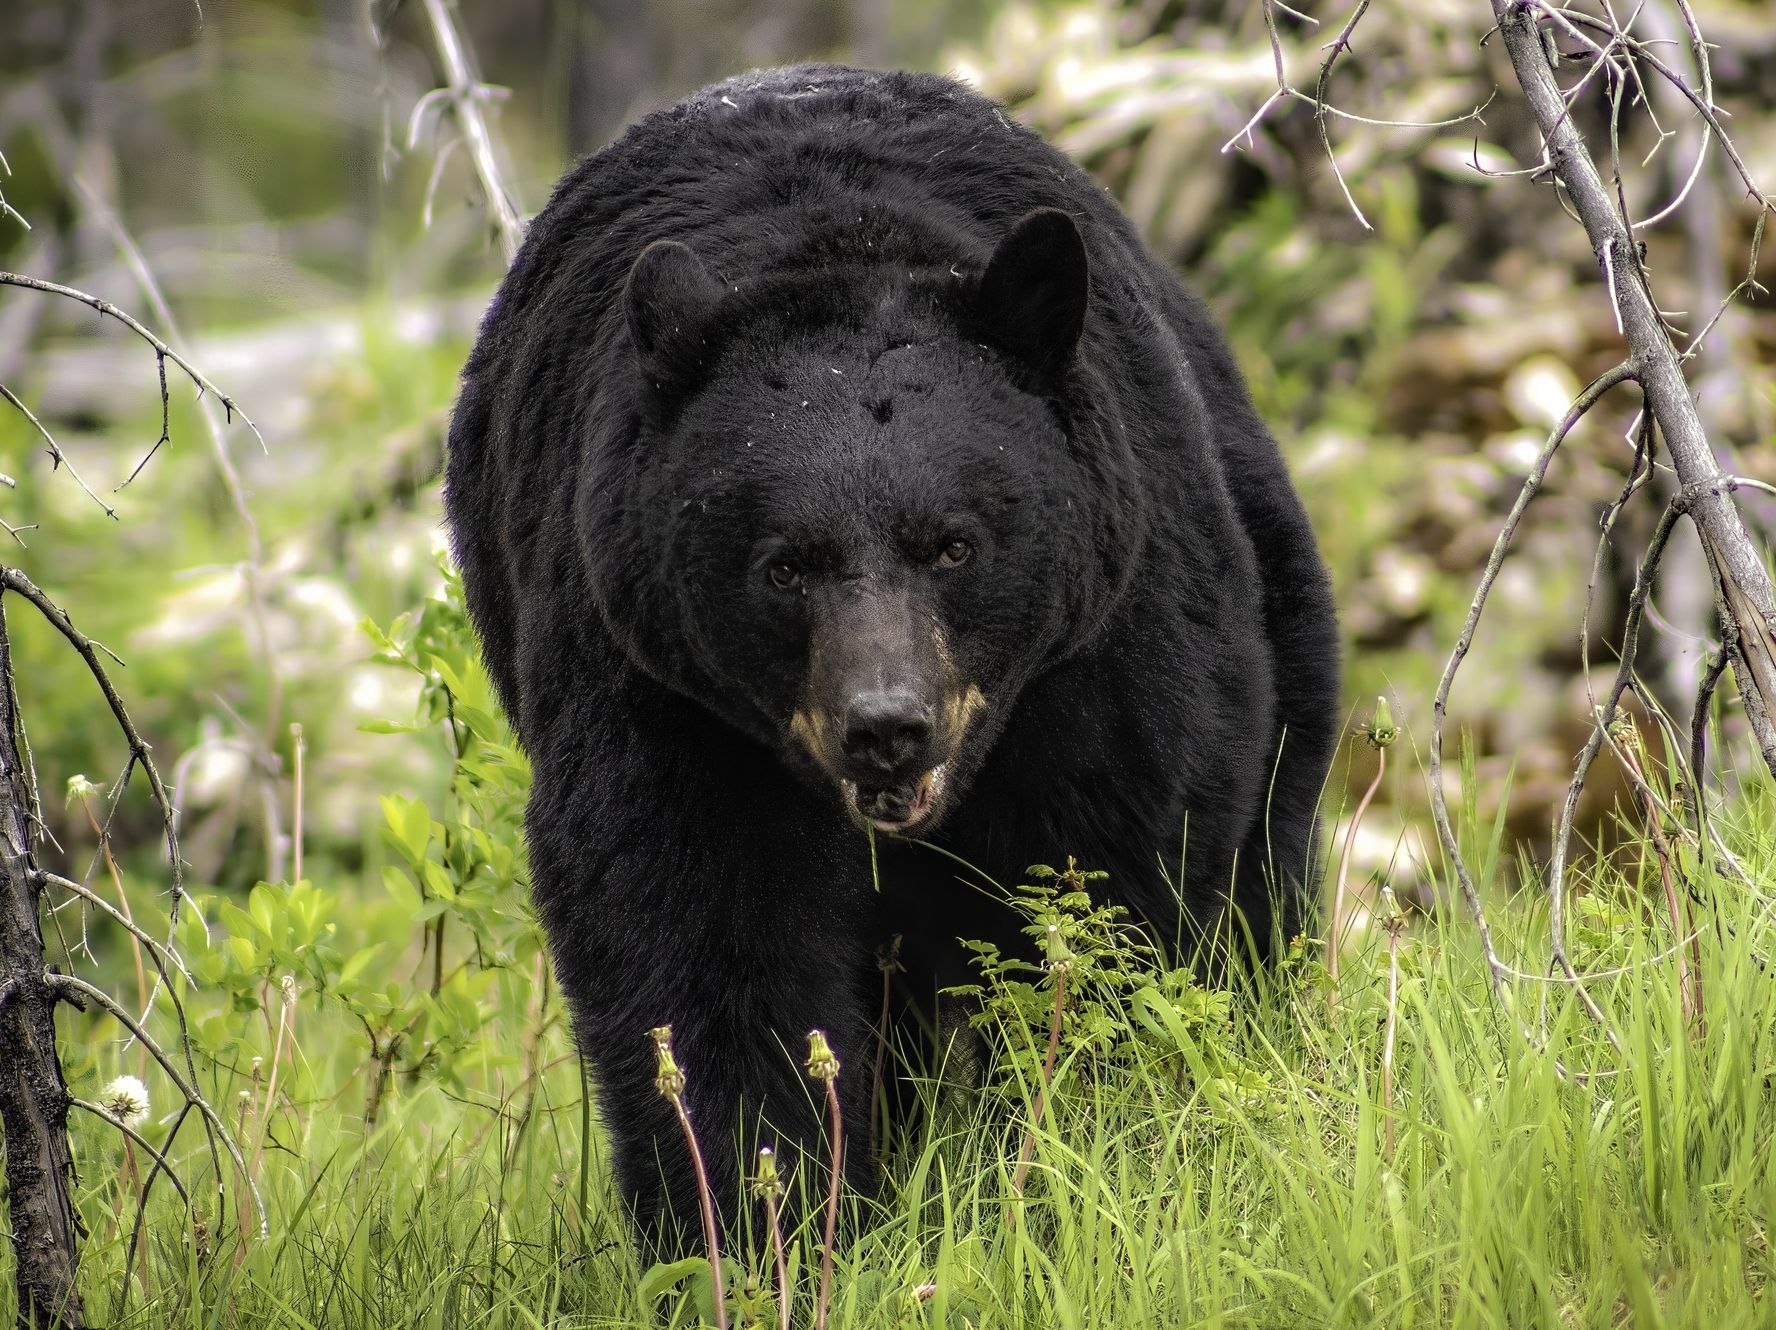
x: 668, y: 1079
x: 888, y: 955
x: 1057, y: 954
x: 125, y: 1099
x: 823, y: 1063
x: 1393, y: 918
x: 767, y: 1184
x: 1381, y: 728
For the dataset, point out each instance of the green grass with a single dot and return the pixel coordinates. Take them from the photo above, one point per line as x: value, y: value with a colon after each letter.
x: 1637, y: 1190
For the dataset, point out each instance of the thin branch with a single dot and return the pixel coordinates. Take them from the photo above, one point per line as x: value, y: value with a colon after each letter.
x: 1605, y: 716
x: 160, y: 1166
x: 106, y: 308
x: 99, y: 1111
x: 156, y: 949
x: 72, y: 984
x: 467, y: 96
x: 1744, y: 594
x: 56, y: 455
x: 11, y: 579
x: 1532, y: 483
x: 1285, y: 90
x: 1335, y: 48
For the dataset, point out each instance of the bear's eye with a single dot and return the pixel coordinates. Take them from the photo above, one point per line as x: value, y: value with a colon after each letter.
x: 955, y: 554
x: 785, y: 576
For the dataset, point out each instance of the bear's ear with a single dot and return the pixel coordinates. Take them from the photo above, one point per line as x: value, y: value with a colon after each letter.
x: 670, y: 297
x: 1031, y: 298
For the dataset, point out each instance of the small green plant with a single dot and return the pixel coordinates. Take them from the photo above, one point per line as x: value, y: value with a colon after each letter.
x: 457, y: 951
x: 1103, y: 1002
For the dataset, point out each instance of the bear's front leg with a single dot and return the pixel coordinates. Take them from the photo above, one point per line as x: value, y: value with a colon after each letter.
x: 740, y: 1038
x: 733, y: 908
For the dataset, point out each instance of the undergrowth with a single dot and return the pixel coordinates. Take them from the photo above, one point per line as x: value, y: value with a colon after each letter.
x: 397, y: 1066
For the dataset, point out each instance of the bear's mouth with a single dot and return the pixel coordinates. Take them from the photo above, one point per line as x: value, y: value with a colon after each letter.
x: 897, y: 809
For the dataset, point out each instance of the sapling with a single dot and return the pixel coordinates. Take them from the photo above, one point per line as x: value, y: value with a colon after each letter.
x: 669, y: 1080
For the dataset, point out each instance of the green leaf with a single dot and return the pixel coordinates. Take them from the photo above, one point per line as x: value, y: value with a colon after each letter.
x: 400, y: 886
x: 359, y: 962
x: 438, y: 881
x: 390, y: 727
x: 663, y: 1278
x: 246, y: 955
x: 265, y: 905
x: 410, y: 825
x: 236, y: 920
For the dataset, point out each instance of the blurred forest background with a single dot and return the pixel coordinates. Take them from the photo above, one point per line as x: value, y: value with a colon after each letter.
x: 278, y: 190
x: 275, y: 174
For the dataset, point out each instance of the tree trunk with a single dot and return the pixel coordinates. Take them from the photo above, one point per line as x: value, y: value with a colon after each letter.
x: 33, y: 1096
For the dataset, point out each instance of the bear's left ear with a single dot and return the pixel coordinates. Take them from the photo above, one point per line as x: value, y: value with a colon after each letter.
x: 1031, y: 298
x: 671, y: 298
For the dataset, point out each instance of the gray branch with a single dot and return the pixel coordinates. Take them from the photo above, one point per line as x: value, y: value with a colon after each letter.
x: 1743, y: 592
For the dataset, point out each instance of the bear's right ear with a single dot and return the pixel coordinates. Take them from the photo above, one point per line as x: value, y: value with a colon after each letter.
x: 1031, y: 299
x: 670, y: 298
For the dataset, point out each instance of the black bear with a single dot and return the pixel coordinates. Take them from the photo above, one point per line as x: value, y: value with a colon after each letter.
x: 835, y: 466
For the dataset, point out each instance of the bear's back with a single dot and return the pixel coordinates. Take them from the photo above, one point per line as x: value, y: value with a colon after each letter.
x: 753, y: 171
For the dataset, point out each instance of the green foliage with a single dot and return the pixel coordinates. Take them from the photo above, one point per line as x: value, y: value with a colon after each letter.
x: 455, y: 894
x: 1201, y: 1156
x: 1123, y: 1010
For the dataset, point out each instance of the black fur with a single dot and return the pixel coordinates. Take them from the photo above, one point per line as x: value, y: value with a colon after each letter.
x: 757, y: 367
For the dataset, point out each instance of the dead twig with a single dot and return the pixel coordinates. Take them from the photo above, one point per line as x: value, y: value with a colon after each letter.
x: 1745, y: 597
x: 57, y: 458
x: 107, y: 309
x: 1591, y: 395
x: 468, y: 98
x: 12, y: 579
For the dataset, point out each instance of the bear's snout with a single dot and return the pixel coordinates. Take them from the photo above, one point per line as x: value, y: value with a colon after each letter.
x: 886, y: 736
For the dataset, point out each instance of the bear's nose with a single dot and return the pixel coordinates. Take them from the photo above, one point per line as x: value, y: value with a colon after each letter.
x: 887, y: 731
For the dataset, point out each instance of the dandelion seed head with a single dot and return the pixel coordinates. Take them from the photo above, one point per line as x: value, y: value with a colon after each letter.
x: 125, y: 1099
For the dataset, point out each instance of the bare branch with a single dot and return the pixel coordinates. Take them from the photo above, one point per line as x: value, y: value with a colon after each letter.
x: 1323, y: 109
x: 99, y: 1111
x: 1532, y: 483
x: 158, y: 951
x: 11, y: 579
x: 68, y: 984
x: 1744, y: 595
x: 467, y: 96
x: 57, y: 457
x: 106, y: 308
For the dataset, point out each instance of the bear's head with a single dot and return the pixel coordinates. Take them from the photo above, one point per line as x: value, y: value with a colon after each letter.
x: 856, y: 508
